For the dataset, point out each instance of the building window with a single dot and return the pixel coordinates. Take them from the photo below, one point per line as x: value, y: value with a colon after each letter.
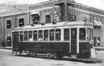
x: 94, y: 41
x: 48, y: 19
x: 35, y: 35
x: 45, y: 35
x: 8, y: 24
x: 97, y: 41
x: 66, y: 34
x: 52, y: 35
x: 82, y: 34
x: 21, y: 36
x: 21, y: 22
x: 35, y: 18
x: 58, y: 34
x: 8, y: 40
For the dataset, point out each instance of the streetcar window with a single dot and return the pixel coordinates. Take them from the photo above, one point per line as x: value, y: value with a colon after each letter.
x: 35, y: 35
x: 82, y: 34
x: 58, y: 34
x: 40, y: 36
x: 30, y: 36
x: 25, y: 35
x: 46, y: 35
x: 21, y: 36
x: 52, y: 35
x: 88, y: 34
x: 66, y: 34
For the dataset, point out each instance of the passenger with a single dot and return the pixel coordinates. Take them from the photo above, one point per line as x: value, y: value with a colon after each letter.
x: 46, y: 39
x: 40, y: 39
x: 31, y: 39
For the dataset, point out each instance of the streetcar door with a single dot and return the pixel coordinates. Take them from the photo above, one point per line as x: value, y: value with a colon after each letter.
x: 73, y: 41
x: 15, y: 37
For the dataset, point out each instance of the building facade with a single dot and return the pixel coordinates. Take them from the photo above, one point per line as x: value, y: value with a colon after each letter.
x: 47, y: 12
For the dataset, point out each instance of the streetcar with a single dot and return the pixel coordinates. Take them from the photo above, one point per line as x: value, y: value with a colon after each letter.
x: 73, y: 39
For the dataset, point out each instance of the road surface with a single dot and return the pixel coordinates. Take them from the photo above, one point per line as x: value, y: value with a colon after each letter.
x: 7, y: 59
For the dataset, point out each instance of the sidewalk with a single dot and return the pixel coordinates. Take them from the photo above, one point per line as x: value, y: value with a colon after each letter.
x: 8, y: 48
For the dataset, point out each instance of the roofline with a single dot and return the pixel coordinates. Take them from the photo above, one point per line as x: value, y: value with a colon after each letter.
x: 27, y: 11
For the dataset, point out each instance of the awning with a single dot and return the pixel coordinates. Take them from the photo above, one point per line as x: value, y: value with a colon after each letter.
x: 98, y: 23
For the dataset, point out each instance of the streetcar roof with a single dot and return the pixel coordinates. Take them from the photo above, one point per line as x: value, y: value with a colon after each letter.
x: 58, y: 24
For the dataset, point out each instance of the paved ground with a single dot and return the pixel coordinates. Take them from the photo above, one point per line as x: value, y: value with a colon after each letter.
x: 7, y: 59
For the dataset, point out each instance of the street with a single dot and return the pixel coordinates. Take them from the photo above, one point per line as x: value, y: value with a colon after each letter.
x: 7, y: 59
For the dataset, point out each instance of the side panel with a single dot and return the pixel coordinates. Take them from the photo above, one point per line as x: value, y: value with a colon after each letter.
x: 84, y: 49
x: 44, y: 47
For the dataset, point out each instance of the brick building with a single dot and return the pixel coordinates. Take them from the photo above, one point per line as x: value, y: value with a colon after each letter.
x: 45, y: 12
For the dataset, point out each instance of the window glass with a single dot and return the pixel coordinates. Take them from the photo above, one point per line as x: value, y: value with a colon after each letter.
x: 21, y: 35
x: 25, y: 35
x: 21, y: 22
x: 66, y: 34
x: 52, y: 35
x: 58, y: 34
x: 82, y: 34
x: 30, y: 36
x: 88, y: 34
x: 35, y: 35
x: 40, y: 35
x: 8, y: 24
x: 46, y: 35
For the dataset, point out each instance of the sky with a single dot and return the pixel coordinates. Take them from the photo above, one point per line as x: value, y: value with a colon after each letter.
x: 93, y: 3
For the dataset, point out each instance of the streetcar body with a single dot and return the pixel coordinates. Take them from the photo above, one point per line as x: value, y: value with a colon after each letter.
x: 61, y: 39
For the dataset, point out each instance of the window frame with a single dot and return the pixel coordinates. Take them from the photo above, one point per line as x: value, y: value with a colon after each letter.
x: 35, y: 35
x: 26, y: 36
x: 21, y: 21
x: 47, y: 38
x: 49, y: 18
x: 83, y: 38
x: 30, y: 35
x: 89, y: 34
x: 69, y: 32
x: 53, y: 38
x: 7, y: 24
x: 40, y: 38
x: 57, y: 35
x: 20, y: 36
